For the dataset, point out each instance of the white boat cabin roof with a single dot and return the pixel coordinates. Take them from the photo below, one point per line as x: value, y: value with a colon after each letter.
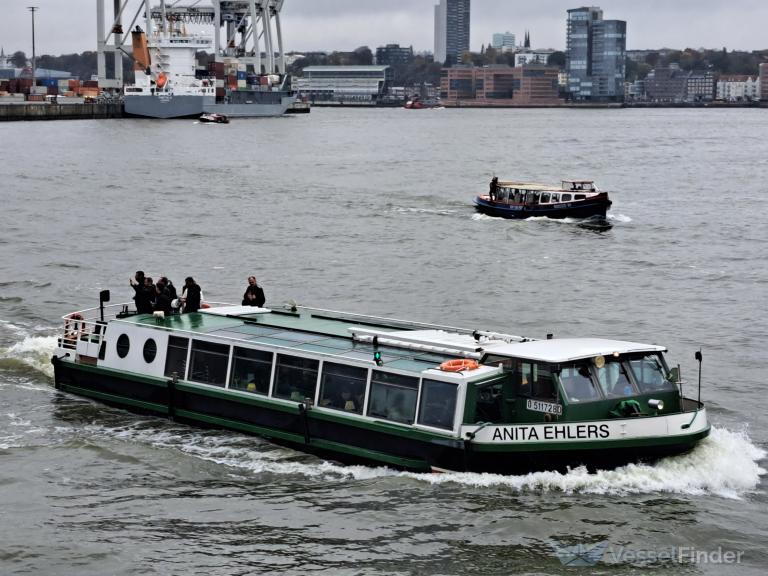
x: 569, y: 349
x: 566, y: 186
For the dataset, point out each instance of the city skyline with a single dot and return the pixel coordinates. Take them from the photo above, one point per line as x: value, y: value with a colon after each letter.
x: 736, y: 25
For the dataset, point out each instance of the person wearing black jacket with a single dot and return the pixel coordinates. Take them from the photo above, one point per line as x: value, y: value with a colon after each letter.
x: 192, y: 296
x: 254, y: 295
x: 143, y: 296
x: 162, y: 301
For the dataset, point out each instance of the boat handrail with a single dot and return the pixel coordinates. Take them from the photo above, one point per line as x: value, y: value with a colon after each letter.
x: 398, y: 343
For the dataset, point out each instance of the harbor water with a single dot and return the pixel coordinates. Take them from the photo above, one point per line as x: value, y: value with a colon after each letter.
x: 370, y: 211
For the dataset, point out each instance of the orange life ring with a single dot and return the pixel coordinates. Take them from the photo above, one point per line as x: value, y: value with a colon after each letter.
x: 161, y: 80
x: 73, y: 327
x: 204, y: 305
x: 459, y: 365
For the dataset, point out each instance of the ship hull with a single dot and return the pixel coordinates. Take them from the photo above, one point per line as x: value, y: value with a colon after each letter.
x: 348, y: 440
x: 166, y: 107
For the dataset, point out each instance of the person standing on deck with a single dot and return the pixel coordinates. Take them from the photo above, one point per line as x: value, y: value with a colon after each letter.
x: 192, y: 296
x: 143, y: 296
x: 254, y: 294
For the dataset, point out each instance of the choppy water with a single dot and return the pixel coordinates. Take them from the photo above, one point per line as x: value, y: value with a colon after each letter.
x: 370, y: 211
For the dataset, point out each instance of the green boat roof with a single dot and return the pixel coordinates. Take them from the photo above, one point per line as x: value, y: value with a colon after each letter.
x: 305, y: 330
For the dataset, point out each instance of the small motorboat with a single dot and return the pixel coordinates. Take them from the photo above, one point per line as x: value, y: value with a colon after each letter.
x: 214, y: 118
x: 572, y: 199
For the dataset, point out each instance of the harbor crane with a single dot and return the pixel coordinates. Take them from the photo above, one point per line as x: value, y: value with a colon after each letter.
x: 243, y: 29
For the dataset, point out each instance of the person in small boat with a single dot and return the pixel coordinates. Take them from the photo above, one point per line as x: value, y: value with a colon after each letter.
x: 254, y: 294
x: 492, y: 193
x: 192, y: 296
x: 142, y: 296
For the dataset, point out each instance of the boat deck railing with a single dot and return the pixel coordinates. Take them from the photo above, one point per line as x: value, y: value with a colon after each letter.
x: 88, y: 325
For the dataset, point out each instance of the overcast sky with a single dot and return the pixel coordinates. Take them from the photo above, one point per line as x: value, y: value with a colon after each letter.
x: 65, y: 26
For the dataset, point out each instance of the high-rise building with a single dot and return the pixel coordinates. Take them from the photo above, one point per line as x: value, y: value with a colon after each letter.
x: 764, y: 81
x: 503, y: 41
x: 393, y: 54
x: 596, y: 55
x: 451, y: 30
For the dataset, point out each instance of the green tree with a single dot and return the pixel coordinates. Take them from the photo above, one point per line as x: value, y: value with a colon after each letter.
x: 556, y: 59
x: 19, y: 59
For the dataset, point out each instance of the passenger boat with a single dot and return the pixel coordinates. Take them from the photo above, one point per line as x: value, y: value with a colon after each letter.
x: 214, y: 119
x: 572, y: 199
x: 379, y: 391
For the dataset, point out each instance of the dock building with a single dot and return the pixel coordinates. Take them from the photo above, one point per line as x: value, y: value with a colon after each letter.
x: 499, y: 86
x: 362, y: 85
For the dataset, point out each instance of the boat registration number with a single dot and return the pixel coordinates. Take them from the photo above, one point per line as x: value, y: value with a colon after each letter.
x: 546, y: 407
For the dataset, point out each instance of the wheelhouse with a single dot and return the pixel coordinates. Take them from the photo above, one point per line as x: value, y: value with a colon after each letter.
x: 545, y: 381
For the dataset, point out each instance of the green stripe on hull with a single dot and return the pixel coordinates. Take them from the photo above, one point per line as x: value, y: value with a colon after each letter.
x: 112, y: 399
x: 317, y: 443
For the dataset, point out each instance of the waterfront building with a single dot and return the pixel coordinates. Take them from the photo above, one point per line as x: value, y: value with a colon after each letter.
x: 503, y: 41
x: 451, y: 31
x: 595, y: 57
x: 737, y: 87
x: 764, y: 81
x: 393, y: 54
x: 499, y: 85
x: 700, y: 86
x: 666, y: 84
x: 524, y: 57
x: 345, y: 84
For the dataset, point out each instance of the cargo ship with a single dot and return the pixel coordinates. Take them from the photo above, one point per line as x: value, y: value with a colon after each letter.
x: 378, y: 391
x: 169, y: 84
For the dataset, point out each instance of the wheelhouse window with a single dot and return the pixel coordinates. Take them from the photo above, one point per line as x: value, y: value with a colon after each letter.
x: 536, y: 381
x: 650, y: 373
x: 438, y: 404
x: 489, y: 402
x: 251, y: 370
x: 295, y: 378
x: 176, y: 357
x: 577, y: 383
x: 613, y: 379
x: 208, y: 363
x: 393, y: 397
x: 343, y: 387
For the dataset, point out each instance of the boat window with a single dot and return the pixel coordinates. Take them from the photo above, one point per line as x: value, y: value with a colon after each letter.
x: 613, y: 379
x: 150, y: 351
x: 438, y: 404
x: 489, y: 402
x: 393, y: 397
x: 545, y: 197
x: 343, y: 387
x: 251, y: 370
x: 208, y: 363
x: 176, y: 357
x: 577, y: 384
x: 565, y: 198
x: 580, y: 197
x: 555, y: 197
x: 536, y: 381
x: 649, y: 373
x: 123, y: 345
x: 296, y: 378
x: 503, y: 194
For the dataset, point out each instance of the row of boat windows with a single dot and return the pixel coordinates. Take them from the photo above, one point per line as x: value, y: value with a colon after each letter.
x: 529, y: 197
x: 352, y: 389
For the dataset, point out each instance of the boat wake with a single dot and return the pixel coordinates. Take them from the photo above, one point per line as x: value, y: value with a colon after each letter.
x: 29, y: 351
x: 726, y: 464
x: 619, y: 218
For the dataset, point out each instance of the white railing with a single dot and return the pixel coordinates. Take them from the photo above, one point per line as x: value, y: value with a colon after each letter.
x: 87, y: 325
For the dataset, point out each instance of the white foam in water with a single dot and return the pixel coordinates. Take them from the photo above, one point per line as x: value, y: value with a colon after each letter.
x: 725, y: 464
x: 34, y: 351
x: 619, y: 218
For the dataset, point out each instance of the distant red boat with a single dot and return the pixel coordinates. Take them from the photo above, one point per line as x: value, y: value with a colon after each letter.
x: 417, y: 103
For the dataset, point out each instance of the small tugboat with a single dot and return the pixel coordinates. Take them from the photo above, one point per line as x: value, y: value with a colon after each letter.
x: 573, y: 199
x: 379, y: 391
x: 417, y: 103
x: 214, y: 119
